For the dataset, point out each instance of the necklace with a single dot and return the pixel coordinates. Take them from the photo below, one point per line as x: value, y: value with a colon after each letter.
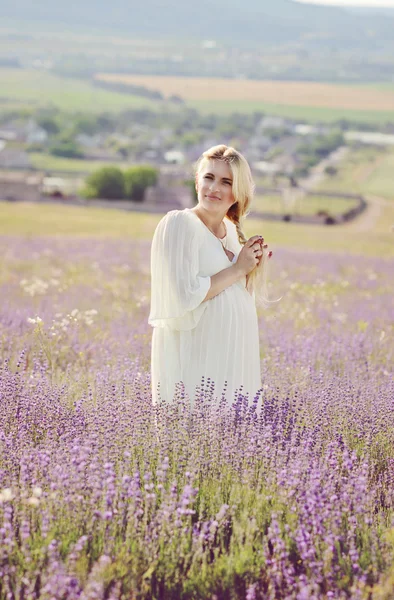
x: 224, y: 244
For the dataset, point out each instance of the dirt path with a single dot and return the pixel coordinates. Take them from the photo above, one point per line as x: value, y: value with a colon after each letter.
x: 318, y: 174
x: 368, y: 219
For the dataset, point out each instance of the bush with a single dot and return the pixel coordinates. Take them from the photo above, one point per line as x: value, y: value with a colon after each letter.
x: 107, y: 182
x: 67, y: 149
x: 330, y: 170
x: 137, y: 179
x: 49, y: 124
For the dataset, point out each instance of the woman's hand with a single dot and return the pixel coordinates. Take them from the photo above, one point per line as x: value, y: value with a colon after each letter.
x: 251, y: 254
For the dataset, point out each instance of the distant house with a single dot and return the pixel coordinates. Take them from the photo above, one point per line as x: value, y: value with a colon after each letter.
x: 287, y: 163
x: 265, y: 167
x: 150, y: 155
x: 310, y: 130
x: 34, y: 134
x: 20, y: 186
x: 370, y: 137
x: 175, y: 157
x: 120, y: 138
x: 12, y: 133
x: 57, y: 185
x: 88, y: 141
x: 11, y: 158
x: 271, y: 123
x: 305, y: 129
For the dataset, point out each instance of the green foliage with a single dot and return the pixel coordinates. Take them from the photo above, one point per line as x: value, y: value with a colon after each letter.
x: 85, y: 124
x: 107, y: 182
x: 330, y: 170
x: 66, y: 148
x: 191, y: 138
x: 49, y: 124
x: 137, y: 179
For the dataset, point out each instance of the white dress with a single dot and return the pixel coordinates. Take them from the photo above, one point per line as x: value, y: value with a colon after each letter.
x: 216, y: 339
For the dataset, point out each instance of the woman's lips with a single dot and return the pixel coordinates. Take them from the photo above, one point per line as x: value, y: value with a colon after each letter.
x: 213, y: 197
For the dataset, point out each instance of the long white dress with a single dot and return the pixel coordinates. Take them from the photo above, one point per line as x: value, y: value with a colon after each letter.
x: 217, y: 339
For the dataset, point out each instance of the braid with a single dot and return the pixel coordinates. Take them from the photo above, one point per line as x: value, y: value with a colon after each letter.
x: 241, y: 236
x: 234, y: 215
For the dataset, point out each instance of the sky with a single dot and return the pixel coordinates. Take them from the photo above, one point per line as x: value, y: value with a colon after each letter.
x: 372, y: 3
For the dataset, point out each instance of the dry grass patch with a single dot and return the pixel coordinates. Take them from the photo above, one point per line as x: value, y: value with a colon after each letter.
x: 277, y: 92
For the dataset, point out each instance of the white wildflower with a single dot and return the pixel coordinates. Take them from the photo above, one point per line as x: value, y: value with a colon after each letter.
x: 34, y: 321
x: 33, y: 501
x: 6, y: 495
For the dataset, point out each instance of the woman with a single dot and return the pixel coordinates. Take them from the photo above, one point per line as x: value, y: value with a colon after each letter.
x: 203, y: 274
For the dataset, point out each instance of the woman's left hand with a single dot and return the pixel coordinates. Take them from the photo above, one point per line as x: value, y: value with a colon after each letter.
x: 263, y: 247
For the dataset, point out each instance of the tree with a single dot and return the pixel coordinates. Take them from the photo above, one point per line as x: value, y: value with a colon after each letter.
x: 137, y: 179
x: 107, y: 182
x: 49, y: 124
x: 68, y: 149
x: 85, y: 124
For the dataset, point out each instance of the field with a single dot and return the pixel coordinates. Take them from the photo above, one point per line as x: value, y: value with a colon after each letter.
x: 304, y: 205
x: 296, y: 499
x: 48, y: 162
x: 102, y: 496
x: 312, y: 101
x: 367, y: 172
x: 305, y: 101
x: 22, y: 87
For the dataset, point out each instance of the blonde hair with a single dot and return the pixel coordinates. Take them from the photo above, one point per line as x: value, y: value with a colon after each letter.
x: 243, y: 188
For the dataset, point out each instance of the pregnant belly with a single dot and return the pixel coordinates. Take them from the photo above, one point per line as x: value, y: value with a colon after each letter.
x: 233, y: 308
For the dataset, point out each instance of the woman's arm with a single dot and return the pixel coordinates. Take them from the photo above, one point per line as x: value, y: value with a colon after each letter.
x: 246, y: 261
x: 222, y: 280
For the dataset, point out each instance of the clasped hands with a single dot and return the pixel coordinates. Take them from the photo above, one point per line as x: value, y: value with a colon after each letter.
x: 251, y: 253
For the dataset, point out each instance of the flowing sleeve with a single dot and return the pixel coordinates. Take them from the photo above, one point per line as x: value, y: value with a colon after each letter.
x: 177, y: 287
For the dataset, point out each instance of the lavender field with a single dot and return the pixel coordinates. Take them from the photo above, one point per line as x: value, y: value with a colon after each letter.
x: 104, y: 496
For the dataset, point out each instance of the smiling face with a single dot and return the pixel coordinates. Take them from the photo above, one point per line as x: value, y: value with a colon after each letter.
x: 214, y: 185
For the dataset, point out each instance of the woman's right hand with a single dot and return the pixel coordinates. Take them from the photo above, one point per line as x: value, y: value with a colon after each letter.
x: 250, y: 255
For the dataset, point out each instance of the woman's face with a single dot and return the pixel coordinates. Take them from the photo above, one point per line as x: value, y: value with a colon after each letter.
x: 214, y: 185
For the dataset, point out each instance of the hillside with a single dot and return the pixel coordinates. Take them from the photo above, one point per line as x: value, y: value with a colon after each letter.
x: 261, y: 21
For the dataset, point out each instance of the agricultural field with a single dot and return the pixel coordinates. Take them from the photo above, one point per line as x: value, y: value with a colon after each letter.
x: 304, y: 205
x: 37, y: 88
x: 312, y: 101
x: 105, y: 497
x: 306, y: 101
x: 48, y: 162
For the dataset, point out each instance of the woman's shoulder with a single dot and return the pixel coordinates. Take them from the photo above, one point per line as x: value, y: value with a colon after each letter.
x: 185, y: 215
x: 178, y: 219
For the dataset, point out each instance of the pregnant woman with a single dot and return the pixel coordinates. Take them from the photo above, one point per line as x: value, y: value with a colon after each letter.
x: 205, y: 276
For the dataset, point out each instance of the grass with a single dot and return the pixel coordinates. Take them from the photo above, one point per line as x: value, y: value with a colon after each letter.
x: 25, y: 219
x: 310, y: 114
x: 30, y: 219
x: 29, y: 87
x: 40, y: 88
x: 309, y: 205
x: 309, y: 101
x: 44, y: 161
x: 364, y: 171
x: 370, y: 173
